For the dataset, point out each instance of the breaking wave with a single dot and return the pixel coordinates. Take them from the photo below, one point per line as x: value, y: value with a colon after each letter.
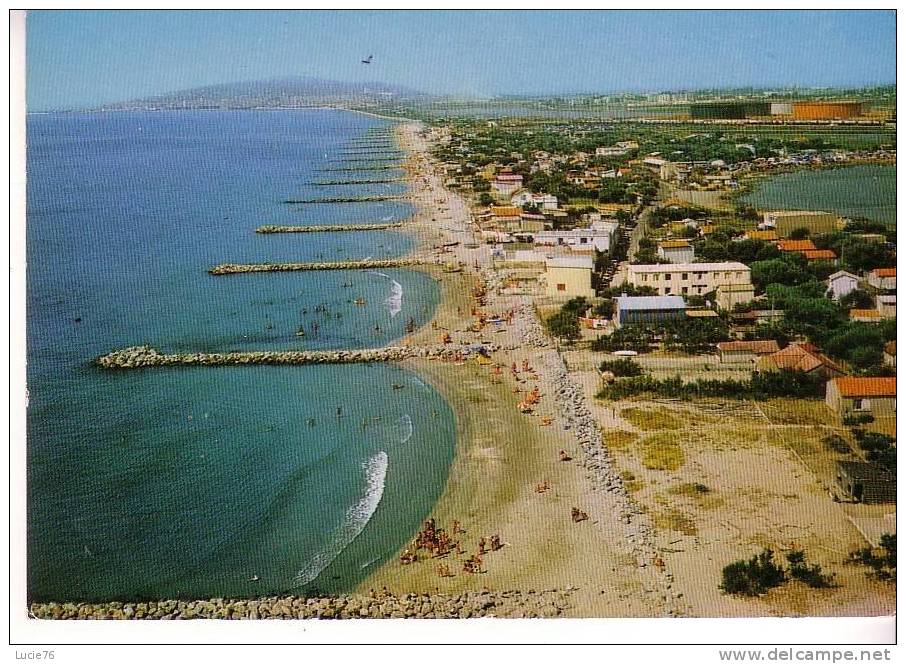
x: 395, y: 301
x: 406, y: 423
x: 354, y: 521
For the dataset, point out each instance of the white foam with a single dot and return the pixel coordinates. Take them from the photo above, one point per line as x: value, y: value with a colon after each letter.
x: 395, y: 301
x: 406, y: 422
x: 354, y: 521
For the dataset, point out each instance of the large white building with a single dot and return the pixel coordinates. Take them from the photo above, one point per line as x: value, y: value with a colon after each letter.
x: 599, y: 237
x: 732, y: 282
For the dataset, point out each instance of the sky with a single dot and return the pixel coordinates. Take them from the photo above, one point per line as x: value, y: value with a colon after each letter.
x: 86, y: 58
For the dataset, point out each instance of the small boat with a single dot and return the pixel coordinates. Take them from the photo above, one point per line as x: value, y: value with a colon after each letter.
x: 397, y: 386
x: 359, y: 301
x: 410, y: 325
x: 255, y: 578
x: 300, y: 332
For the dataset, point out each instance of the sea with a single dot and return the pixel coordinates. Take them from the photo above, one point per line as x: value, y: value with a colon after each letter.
x: 226, y: 481
x: 868, y: 191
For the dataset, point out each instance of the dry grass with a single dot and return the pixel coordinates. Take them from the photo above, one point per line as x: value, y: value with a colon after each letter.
x: 662, y: 451
x: 797, y: 411
x: 631, y: 482
x: 619, y: 439
x: 652, y: 419
x: 673, y: 519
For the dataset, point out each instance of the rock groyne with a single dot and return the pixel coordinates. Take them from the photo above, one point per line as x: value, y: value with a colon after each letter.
x: 327, y: 228
x: 138, y: 357
x: 345, y: 199
x: 242, y: 268
x: 474, y: 604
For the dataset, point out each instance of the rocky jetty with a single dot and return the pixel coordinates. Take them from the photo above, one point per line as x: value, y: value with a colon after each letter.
x: 327, y: 228
x: 331, y: 183
x: 347, y: 199
x: 136, y: 357
x: 389, y: 167
x: 475, y: 604
x: 241, y: 268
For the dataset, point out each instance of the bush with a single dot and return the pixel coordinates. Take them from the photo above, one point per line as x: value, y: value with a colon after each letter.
x: 564, y: 325
x: 754, y: 576
x: 810, y: 575
x: 621, y: 367
x: 884, y: 563
x: 855, y: 419
x: 760, y: 387
x: 837, y: 444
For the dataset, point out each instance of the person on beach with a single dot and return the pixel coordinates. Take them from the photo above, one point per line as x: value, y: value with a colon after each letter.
x: 564, y: 456
x: 495, y: 543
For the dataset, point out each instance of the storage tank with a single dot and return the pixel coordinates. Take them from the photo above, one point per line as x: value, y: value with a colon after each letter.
x: 826, y: 110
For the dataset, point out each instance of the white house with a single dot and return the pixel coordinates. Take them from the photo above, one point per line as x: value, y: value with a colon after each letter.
x: 611, y: 151
x: 541, y: 201
x: 841, y: 283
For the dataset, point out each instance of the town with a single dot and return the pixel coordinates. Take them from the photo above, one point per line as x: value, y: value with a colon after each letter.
x: 700, y: 324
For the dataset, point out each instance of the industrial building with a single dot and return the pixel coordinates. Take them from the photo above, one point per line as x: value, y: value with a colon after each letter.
x: 729, y: 110
x: 826, y: 110
x: 648, y: 309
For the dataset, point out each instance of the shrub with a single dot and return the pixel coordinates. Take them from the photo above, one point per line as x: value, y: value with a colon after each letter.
x: 855, y: 419
x: 810, y: 575
x: 621, y: 367
x: 754, y: 576
x: 837, y: 444
x: 884, y: 563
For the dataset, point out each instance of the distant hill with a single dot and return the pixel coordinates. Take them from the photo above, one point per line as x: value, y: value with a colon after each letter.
x: 294, y: 92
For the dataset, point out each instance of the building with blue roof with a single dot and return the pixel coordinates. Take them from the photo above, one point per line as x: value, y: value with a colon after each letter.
x: 648, y: 309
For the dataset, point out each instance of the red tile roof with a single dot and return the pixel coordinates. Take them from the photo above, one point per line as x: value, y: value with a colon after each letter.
x: 864, y: 313
x: 885, y: 272
x: 855, y: 386
x: 820, y: 255
x: 758, y: 347
x: 796, y: 245
x: 800, y: 357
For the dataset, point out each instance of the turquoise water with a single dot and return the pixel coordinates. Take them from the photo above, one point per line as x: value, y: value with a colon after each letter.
x: 860, y: 191
x: 190, y: 482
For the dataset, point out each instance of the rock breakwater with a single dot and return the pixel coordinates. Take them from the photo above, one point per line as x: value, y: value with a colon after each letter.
x: 475, y: 604
x: 241, y: 268
x: 326, y: 228
x: 136, y: 357
x: 348, y: 199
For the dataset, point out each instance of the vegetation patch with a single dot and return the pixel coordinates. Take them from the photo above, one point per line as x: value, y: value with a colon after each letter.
x: 760, y: 573
x: 881, y: 561
x: 631, y: 482
x: 673, y: 519
x: 662, y: 451
x: 652, y: 419
x: 619, y: 439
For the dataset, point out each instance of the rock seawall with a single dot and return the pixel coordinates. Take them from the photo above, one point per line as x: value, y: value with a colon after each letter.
x: 476, y: 604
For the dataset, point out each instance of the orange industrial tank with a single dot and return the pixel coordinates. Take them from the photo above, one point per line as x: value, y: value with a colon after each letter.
x: 826, y: 110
